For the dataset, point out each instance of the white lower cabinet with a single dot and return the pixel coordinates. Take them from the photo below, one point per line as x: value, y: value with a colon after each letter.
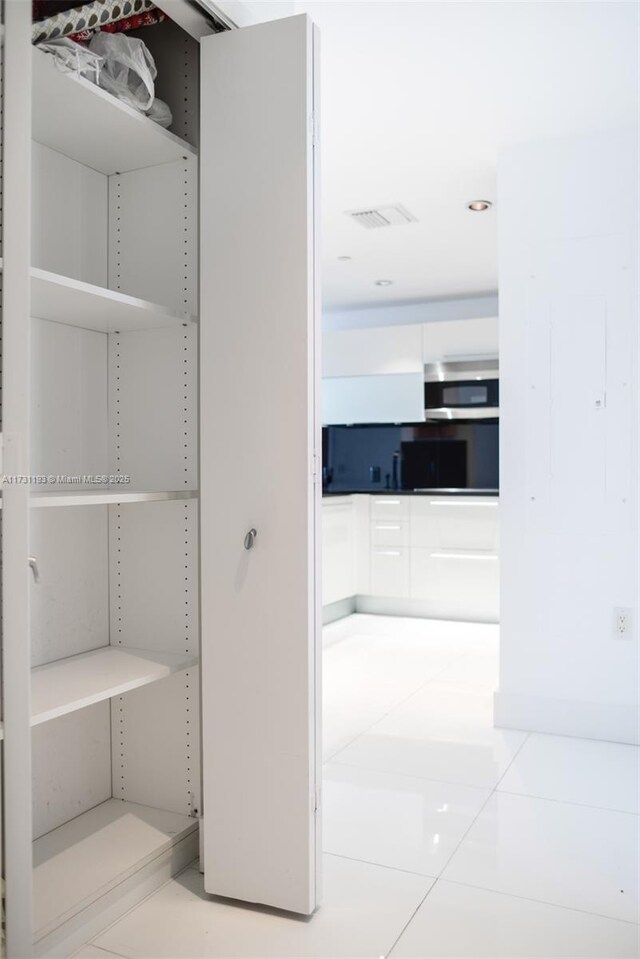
x: 445, y: 522
x: 454, y: 556
x: 456, y: 585
x: 390, y: 532
x: 437, y: 556
x: 390, y: 508
x: 338, y: 549
x: 390, y: 571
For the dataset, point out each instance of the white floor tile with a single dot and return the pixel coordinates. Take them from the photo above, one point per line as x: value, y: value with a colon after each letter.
x: 577, y: 770
x: 364, y: 910
x: 338, y: 630
x: 554, y: 852
x: 465, y: 923
x: 533, y: 878
x: 442, y: 732
x: 479, y: 668
x: 395, y: 821
x: 364, y: 676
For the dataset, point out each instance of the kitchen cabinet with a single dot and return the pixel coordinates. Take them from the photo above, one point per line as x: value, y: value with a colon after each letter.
x: 371, y: 351
x: 134, y: 484
x: 390, y: 571
x: 457, y: 339
x: 464, y: 522
x: 454, y: 556
x: 338, y: 549
x: 373, y: 375
x: 456, y: 585
x: 432, y: 556
x: 388, y: 398
x: 390, y: 507
x: 390, y: 532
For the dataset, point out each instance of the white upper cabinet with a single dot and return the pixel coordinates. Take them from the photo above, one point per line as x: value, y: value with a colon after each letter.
x: 371, y: 351
x: 390, y: 398
x: 373, y: 375
x: 459, y: 338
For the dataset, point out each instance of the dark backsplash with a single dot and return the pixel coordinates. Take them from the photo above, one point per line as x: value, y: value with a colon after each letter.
x: 445, y: 455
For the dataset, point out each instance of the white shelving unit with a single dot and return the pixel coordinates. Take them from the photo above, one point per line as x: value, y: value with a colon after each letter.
x: 113, y: 351
x: 62, y: 299
x: 69, y: 684
x: 75, y: 117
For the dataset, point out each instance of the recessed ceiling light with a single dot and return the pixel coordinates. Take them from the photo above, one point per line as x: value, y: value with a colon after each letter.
x: 383, y: 282
x: 344, y: 257
x: 479, y: 206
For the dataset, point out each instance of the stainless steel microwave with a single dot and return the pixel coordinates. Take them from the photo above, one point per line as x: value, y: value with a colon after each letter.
x: 462, y: 389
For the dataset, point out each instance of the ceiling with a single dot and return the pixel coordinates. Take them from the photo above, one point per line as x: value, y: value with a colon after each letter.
x: 418, y: 98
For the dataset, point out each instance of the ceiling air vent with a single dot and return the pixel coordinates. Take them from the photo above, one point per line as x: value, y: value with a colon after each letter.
x: 376, y: 217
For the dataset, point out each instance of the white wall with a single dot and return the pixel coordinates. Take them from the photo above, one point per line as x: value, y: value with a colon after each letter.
x: 568, y: 225
x: 429, y: 311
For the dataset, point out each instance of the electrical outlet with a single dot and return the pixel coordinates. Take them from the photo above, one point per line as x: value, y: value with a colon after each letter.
x: 622, y: 622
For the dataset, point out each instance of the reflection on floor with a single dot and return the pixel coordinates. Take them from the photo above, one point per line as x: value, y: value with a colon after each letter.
x: 444, y: 837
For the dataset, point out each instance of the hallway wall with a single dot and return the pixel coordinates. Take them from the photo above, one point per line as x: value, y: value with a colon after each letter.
x: 568, y: 228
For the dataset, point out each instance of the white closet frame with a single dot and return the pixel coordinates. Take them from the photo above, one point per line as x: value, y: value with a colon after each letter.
x: 101, y: 758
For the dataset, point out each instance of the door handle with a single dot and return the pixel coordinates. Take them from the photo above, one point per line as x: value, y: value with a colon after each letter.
x: 250, y: 539
x: 33, y: 563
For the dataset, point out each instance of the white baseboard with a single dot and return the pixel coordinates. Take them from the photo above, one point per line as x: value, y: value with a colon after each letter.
x: 612, y: 722
x: 338, y: 610
x: 394, y: 606
x: 420, y: 608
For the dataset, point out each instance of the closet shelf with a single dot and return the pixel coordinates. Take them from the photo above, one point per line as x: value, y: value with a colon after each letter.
x: 93, y: 497
x: 79, y: 862
x: 100, y: 497
x: 78, y: 681
x: 64, y: 300
x: 77, y: 118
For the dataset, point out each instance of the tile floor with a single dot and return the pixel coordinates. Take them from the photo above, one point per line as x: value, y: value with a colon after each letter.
x: 443, y: 836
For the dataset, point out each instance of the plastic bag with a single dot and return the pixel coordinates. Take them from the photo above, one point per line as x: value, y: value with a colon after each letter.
x: 71, y: 57
x: 128, y: 69
x: 160, y: 113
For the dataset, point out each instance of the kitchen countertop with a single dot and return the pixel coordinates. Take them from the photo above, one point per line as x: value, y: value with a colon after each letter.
x: 413, y: 492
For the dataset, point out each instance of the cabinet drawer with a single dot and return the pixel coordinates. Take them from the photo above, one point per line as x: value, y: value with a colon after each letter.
x: 457, y: 585
x: 390, y: 532
x: 463, y: 524
x: 390, y: 508
x: 390, y: 571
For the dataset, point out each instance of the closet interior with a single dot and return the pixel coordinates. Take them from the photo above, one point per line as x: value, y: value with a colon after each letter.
x: 114, y: 486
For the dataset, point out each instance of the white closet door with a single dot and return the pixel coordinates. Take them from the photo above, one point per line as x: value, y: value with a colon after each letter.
x: 259, y: 434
